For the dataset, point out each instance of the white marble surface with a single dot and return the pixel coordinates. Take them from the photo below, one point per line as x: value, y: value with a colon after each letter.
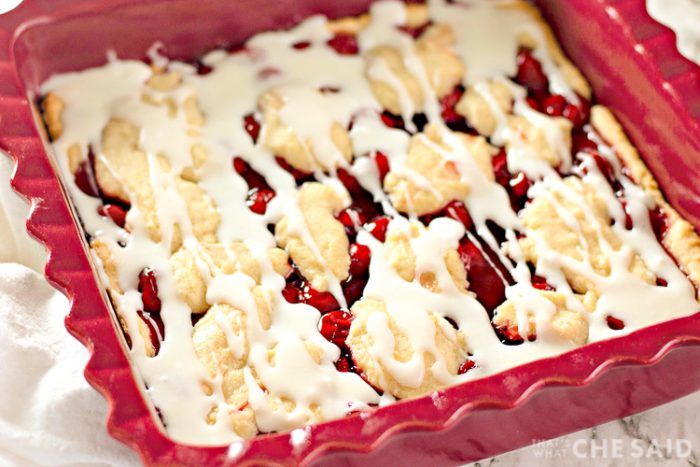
x: 667, y: 436
x: 50, y: 433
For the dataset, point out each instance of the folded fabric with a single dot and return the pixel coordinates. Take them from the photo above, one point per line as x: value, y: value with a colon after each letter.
x: 49, y: 415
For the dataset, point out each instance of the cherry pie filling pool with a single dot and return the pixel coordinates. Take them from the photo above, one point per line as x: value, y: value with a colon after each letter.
x: 526, y: 287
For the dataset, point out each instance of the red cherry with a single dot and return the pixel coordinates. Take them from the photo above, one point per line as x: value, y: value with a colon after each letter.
x: 530, y: 73
x: 659, y: 223
x: 413, y: 31
x: 540, y: 283
x: 238, y: 48
x: 484, y: 280
x: 558, y: 106
x: 607, y: 170
x: 344, y: 365
x: 335, y: 327
x: 351, y: 219
x: 582, y: 113
x: 382, y: 163
x: 85, y: 178
x: 519, y: 185
x: 300, y: 291
x: 580, y: 142
x: 252, y: 178
x: 362, y: 200
x: 448, y: 104
x: 114, y: 212
x: 628, y: 219
x: 299, y: 175
x: 661, y: 282
x: 350, y: 182
x: 359, y: 259
x: 203, y: 69
x: 301, y: 45
x: 322, y: 301
x: 240, y: 166
x: 533, y: 103
x: 377, y: 227
x: 466, y: 366
x: 554, y: 105
x: 392, y: 121
x: 614, y: 323
x: 353, y: 288
x: 292, y: 293
x: 148, y: 286
x: 258, y: 199
x: 509, y: 335
x: 344, y: 44
x: 251, y: 126
x: 458, y: 211
x: 500, y: 168
x: 156, y: 328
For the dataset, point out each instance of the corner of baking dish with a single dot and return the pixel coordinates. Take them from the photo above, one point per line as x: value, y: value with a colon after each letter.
x: 131, y: 418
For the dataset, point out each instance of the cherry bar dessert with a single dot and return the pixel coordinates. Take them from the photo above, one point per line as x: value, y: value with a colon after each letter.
x: 355, y: 211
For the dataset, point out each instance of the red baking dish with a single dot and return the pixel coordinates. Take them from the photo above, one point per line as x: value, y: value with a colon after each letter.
x: 634, y: 68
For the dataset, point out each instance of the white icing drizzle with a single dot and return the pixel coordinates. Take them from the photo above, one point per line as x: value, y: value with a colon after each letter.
x: 488, y: 35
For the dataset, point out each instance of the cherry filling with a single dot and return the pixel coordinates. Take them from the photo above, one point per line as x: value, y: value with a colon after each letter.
x: 659, y: 223
x: 448, y: 107
x: 202, y: 69
x: 362, y: 200
x: 252, y: 127
x: 351, y: 220
x: 508, y: 334
x: 298, y: 290
x: 540, y: 283
x: 85, y: 176
x: 335, y: 327
x: 301, y: 45
x: 454, y: 210
x: 148, y: 287
x: 346, y: 364
x: 397, y: 121
x: 392, y: 121
x: 466, y: 366
x: 516, y: 185
x: 557, y: 106
x: 258, y: 199
x: 259, y: 192
x: 614, y: 323
x: 414, y: 31
x: 299, y: 175
x: 344, y: 44
x: 530, y: 74
x: 628, y: 219
x: 115, y: 212
x: 382, y: 163
x: 354, y: 285
x: 377, y: 227
x: 608, y: 172
x: 484, y: 280
x: 658, y: 218
x: 86, y: 181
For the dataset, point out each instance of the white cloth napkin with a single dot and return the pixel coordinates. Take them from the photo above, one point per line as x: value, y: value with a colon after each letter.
x: 49, y: 415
